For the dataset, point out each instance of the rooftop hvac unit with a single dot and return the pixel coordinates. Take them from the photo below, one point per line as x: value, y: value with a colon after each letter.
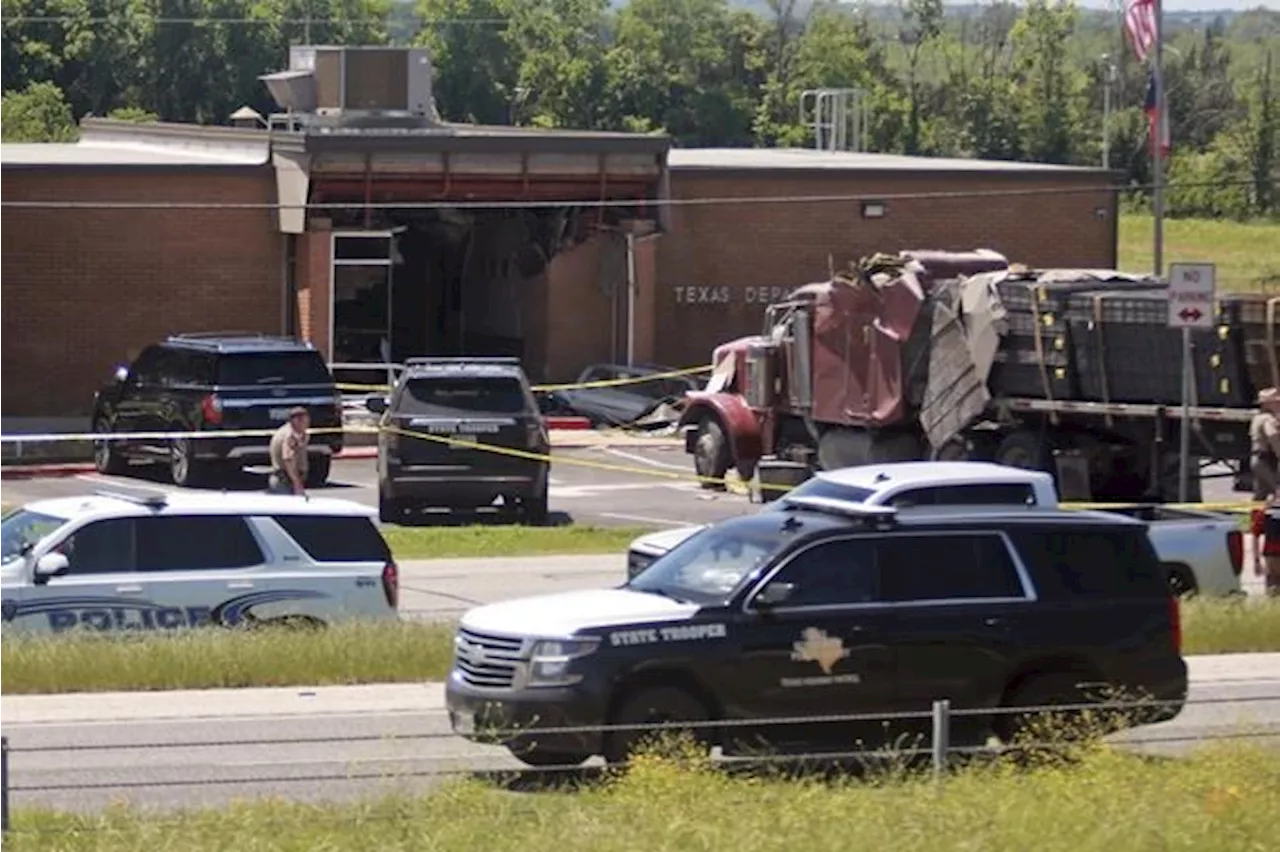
x: 357, y: 84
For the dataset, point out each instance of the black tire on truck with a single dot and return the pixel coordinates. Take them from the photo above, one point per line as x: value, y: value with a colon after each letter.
x: 1027, y: 450
x: 1046, y: 727
x: 711, y: 454
x: 184, y: 468
x: 531, y: 755
x: 654, y: 705
x: 842, y: 446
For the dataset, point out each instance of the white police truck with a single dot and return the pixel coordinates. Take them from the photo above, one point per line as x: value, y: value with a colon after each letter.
x: 115, y: 562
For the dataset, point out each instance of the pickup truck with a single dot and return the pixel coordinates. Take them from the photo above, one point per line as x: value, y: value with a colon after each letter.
x: 1203, y: 551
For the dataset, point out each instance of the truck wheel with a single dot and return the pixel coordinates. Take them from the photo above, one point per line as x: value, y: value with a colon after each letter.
x: 711, y: 454
x: 534, y: 509
x: 1170, y: 475
x: 841, y: 447
x: 967, y: 448
x: 390, y: 511
x: 1182, y: 580
x: 1026, y: 450
x: 661, y: 705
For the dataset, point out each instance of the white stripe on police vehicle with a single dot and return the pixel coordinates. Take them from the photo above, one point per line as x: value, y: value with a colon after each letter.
x: 105, y: 614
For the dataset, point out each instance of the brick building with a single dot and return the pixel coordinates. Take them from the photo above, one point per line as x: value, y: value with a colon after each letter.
x: 441, y: 240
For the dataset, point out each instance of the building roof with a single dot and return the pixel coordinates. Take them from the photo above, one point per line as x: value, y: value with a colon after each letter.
x: 807, y: 159
x: 107, y: 142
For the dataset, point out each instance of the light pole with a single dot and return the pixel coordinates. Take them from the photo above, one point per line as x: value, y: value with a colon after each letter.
x: 1108, y: 80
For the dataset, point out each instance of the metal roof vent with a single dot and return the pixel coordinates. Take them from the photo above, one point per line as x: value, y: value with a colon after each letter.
x: 357, y: 86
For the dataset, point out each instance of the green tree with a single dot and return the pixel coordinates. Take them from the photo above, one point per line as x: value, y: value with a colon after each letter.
x: 1050, y: 93
x: 476, y: 71
x: 922, y: 22
x: 38, y: 113
x: 560, y: 48
x: 690, y: 67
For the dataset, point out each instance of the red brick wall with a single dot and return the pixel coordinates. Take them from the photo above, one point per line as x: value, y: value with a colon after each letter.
x: 84, y: 289
x: 730, y: 250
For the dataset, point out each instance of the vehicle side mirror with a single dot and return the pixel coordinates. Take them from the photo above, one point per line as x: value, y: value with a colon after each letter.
x: 376, y: 404
x: 121, y: 374
x: 774, y: 594
x: 50, y: 565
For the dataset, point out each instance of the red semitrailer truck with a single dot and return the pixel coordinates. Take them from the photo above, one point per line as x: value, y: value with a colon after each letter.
x: 959, y: 355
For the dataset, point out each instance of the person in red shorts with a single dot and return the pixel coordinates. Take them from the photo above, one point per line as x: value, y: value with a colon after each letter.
x: 1266, y: 551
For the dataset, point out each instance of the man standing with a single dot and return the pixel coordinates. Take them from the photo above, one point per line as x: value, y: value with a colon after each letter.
x: 1264, y: 445
x: 289, y: 454
x: 1266, y: 544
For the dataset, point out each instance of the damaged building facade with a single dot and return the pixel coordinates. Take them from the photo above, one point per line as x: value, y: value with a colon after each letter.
x: 358, y: 220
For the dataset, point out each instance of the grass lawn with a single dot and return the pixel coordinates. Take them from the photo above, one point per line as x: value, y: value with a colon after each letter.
x: 1223, y: 798
x: 391, y: 652
x: 1247, y: 254
x: 488, y: 541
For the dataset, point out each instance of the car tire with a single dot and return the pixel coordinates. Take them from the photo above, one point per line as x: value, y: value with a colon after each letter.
x: 541, y: 758
x: 653, y: 705
x: 185, y: 470
x: 535, y: 510
x: 1039, y: 690
x: 318, y: 471
x: 390, y: 510
x: 105, y: 459
x: 711, y: 454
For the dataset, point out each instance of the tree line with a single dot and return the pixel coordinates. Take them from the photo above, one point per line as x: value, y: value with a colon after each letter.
x: 994, y: 80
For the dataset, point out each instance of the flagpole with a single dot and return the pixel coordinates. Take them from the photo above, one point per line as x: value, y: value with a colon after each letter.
x: 1157, y: 209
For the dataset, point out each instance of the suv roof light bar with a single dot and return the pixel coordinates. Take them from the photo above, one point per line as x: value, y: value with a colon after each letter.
x: 204, y: 335
x: 151, y: 501
x: 832, y: 506
x: 432, y: 362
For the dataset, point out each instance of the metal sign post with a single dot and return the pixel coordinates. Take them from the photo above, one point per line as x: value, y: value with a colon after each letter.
x: 1192, y: 291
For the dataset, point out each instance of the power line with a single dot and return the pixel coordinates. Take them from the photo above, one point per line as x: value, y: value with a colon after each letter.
x: 516, y: 203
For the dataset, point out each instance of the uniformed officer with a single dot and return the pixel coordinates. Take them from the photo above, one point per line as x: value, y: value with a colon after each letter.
x: 1264, y: 445
x: 289, y: 454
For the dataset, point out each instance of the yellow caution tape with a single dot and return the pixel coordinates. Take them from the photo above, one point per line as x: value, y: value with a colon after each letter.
x: 603, y: 383
x: 732, y: 482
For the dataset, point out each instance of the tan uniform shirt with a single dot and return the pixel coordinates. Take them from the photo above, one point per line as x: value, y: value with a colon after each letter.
x: 1264, y: 434
x: 288, y: 444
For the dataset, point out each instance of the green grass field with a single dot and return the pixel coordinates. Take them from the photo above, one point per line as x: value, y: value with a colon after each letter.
x: 1223, y: 798
x: 1247, y: 255
x: 391, y: 652
x: 492, y: 541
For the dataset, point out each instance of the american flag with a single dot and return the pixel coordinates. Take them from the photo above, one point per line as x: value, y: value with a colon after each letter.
x: 1140, y: 26
x: 1157, y: 118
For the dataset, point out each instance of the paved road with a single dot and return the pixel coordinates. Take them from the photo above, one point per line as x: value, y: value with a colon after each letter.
x: 188, y: 748
x: 442, y: 589
x: 606, y: 486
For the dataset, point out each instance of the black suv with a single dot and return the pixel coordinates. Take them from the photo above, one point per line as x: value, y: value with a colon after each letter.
x: 223, y: 382
x: 827, y: 608
x: 441, y: 414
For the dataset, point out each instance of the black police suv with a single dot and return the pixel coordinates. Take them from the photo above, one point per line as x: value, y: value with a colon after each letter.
x: 226, y: 382
x: 460, y: 434
x: 827, y: 608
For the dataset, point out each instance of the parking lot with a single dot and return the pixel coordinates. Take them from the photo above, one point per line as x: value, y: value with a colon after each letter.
x: 604, y: 486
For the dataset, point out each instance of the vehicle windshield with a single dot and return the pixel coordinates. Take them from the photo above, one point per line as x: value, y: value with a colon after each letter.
x: 708, y: 567
x: 454, y: 397
x: 21, y: 529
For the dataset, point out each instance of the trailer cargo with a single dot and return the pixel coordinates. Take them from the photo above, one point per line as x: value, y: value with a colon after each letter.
x: 961, y: 355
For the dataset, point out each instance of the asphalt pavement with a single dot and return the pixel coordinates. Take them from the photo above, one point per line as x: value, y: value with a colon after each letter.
x: 206, y: 748
x: 602, y: 485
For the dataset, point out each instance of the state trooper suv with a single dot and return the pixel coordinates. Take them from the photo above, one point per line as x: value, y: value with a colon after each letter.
x: 828, y: 607
x: 461, y: 433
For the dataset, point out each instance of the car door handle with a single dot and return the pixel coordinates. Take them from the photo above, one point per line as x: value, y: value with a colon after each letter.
x: 241, y: 585
x: 994, y: 622
x: 129, y: 590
